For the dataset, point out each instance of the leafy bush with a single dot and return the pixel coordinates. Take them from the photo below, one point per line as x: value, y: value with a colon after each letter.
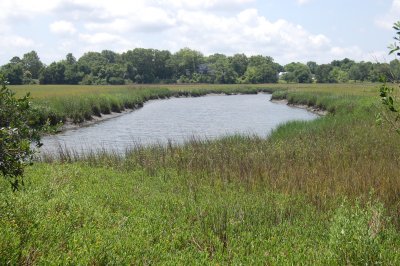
x: 19, y: 127
x: 389, y: 95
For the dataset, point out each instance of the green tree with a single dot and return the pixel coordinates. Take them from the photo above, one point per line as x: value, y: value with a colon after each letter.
x: 13, y: 72
x: 15, y: 60
x: 322, y: 73
x: 222, y: 71
x: 360, y: 71
x: 379, y: 71
x: 130, y: 71
x: 72, y: 75
x: 162, y: 71
x: 19, y: 127
x: 354, y: 72
x: 303, y: 75
x: 344, y: 64
x: 297, y: 72
x: 289, y: 77
x: 261, y: 70
x: 143, y: 61
x: 186, y: 62
x: 32, y: 63
x: 110, y: 56
x: 312, y: 66
x: 53, y: 74
x: 239, y: 63
x: 338, y: 75
x: 70, y: 59
x: 365, y: 69
x: 92, y: 63
x: 27, y: 78
x: 114, y: 74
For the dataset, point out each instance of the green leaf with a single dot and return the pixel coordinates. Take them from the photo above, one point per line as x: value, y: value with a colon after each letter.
x: 17, y: 132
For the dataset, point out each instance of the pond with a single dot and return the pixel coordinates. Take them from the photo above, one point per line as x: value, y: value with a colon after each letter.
x: 179, y: 119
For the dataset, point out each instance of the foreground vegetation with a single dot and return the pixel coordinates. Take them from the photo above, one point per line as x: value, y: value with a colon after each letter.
x: 319, y: 192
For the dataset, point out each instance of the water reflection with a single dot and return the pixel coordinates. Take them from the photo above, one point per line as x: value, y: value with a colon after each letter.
x: 179, y: 119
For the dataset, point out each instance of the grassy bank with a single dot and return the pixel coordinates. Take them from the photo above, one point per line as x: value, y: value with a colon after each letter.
x: 320, y: 192
x: 79, y: 103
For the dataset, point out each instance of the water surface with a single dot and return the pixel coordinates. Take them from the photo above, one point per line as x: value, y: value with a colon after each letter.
x: 179, y: 119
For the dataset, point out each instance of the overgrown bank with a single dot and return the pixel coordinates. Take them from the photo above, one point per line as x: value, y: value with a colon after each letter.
x: 69, y: 108
x: 320, y: 192
x: 76, y: 104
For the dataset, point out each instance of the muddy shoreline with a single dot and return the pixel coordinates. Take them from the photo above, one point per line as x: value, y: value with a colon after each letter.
x: 312, y: 109
x: 70, y: 125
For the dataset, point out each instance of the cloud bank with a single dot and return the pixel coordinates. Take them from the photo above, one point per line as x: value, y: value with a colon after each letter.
x: 210, y: 26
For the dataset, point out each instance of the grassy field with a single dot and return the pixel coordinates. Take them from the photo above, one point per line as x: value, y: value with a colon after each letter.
x: 324, y: 192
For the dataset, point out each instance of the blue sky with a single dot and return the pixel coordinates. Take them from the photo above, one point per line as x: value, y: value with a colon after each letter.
x: 291, y: 30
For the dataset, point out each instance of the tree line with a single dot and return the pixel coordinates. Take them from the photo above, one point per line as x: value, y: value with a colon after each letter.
x: 142, y: 65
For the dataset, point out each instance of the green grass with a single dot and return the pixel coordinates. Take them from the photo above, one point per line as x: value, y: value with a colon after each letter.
x: 323, y: 192
x: 77, y: 214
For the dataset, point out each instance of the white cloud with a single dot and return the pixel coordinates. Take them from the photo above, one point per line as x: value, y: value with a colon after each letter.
x: 210, y: 26
x: 102, y: 41
x: 340, y: 52
x: 117, y: 25
x: 303, y: 2
x: 386, y: 21
x: 19, y: 41
x: 101, y: 38
x: 19, y: 45
x: 149, y: 19
x: 251, y: 33
x: 175, y: 24
x: 24, y: 9
x: 62, y: 27
x: 319, y: 40
x: 196, y: 5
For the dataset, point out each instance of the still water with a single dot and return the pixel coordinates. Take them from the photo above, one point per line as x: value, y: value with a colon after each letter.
x: 179, y: 119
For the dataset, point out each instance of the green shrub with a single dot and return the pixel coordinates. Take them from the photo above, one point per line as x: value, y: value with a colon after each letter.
x: 19, y: 127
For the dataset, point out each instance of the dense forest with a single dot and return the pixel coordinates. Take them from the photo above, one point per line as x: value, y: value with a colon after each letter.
x: 187, y: 66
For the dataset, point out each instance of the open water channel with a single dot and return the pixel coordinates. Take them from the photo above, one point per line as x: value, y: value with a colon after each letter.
x: 179, y: 119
